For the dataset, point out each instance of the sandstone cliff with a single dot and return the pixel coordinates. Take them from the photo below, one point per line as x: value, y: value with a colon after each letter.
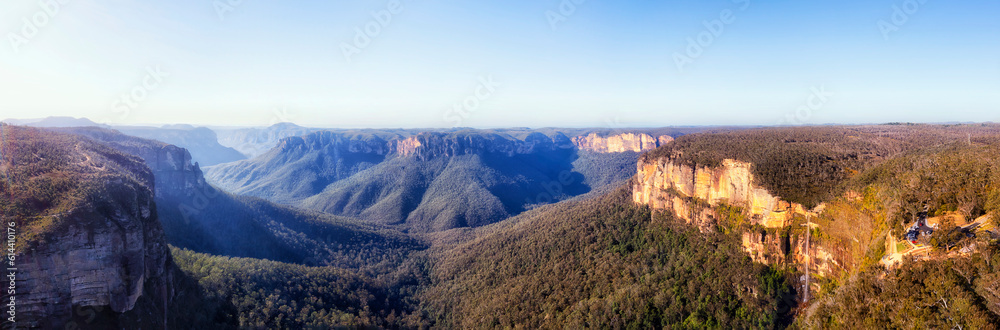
x: 106, y: 257
x: 693, y: 193
x: 620, y: 142
x: 429, y: 145
x: 100, y: 250
x: 664, y: 184
x: 338, y: 142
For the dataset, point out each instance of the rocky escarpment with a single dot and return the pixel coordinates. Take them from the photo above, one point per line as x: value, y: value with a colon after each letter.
x: 695, y: 194
x: 108, y: 255
x: 663, y: 183
x: 781, y: 247
x: 640, y: 142
x: 97, y: 247
x: 429, y: 145
x: 172, y: 168
x: 201, y: 142
x: 337, y: 143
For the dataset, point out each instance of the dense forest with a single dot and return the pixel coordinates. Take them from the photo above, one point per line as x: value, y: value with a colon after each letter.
x: 942, y: 293
x: 597, y: 262
x: 255, y: 293
x: 603, y: 263
x: 956, y: 177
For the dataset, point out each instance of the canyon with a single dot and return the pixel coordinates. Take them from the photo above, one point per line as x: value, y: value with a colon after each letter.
x: 432, y: 180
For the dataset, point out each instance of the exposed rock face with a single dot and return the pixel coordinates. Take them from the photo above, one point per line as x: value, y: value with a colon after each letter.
x: 336, y: 142
x: 620, y: 143
x: 202, y: 143
x: 172, y: 168
x: 105, y: 253
x: 430, y: 145
x: 663, y: 184
x: 691, y: 193
x: 664, y: 139
x: 102, y: 260
x: 407, y: 146
x: 775, y: 248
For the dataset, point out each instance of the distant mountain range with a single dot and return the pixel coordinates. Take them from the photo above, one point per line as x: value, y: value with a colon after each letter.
x: 53, y: 122
x: 201, y: 142
x: 253, y: 142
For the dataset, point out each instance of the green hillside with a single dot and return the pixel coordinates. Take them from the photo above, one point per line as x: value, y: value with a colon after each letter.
x: 602, y: 263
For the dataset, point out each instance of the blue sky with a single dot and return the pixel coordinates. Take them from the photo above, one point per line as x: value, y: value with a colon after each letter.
x: 601, y: 64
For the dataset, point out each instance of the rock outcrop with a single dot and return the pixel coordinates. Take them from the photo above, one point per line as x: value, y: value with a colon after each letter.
x: 595, y: 142
x: 103, y: 251
x: 201, y: 142
x: 172, y: 168
x: 692, y: 193
x: 430, y: 145
x: 336, y: 142
x: 104, y: 258
x: 774, y: 247
x: 664, y: 184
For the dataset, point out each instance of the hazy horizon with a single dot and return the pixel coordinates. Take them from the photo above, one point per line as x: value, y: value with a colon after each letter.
x: 31, y: 121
